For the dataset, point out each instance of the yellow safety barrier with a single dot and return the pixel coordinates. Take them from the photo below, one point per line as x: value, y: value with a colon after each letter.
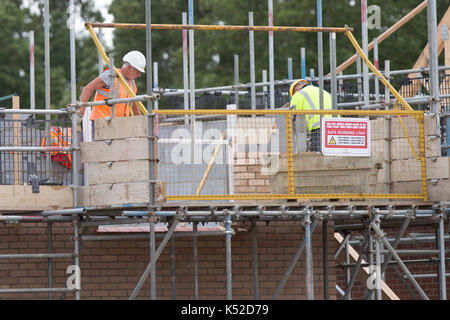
x: 301, y: 174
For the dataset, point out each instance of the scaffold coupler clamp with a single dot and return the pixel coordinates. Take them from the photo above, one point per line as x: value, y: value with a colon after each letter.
x: 331, y: 211
x: 351, y: 210
x: 378, y: 236
x: 390, y: 211
x: 181, y: 213
x: 307, y: 216
x: 213, y: 210
x: 317, y: 215
x: 411, y: 213
x: 438, y: 212
x: 228, y: 229
x: 237, y: 211
x: 261, y: 210
x: 283, y: 210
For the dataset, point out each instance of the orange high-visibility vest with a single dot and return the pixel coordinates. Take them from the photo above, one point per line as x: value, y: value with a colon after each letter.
x: 60, y: 137
x: 122, y: 109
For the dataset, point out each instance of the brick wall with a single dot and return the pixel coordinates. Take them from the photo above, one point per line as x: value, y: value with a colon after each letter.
x: 111, y: 269
x: 247, y: 175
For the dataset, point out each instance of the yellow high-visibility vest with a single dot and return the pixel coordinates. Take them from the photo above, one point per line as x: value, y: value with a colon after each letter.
x: 308, y: 98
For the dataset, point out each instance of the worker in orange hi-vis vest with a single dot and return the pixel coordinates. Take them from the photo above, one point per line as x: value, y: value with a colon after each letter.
x: 59, y: 137
x: 134, y: 65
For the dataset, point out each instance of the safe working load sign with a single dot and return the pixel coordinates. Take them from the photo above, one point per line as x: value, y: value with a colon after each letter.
x: 345, y: 137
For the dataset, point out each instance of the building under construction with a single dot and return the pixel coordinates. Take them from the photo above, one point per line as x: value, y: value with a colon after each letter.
x: 228, y: 202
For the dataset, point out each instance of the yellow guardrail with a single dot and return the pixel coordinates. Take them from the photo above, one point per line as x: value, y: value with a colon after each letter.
x: 291, y: 169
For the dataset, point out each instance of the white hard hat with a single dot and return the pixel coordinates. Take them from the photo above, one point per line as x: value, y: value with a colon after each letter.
x: 136, y: 60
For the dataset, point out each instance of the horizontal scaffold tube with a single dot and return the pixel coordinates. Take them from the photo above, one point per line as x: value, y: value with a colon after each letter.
x: 35, y: 149
x: 32, y: 111
x: 36, y: 290
x: 286, y: 111
x: 146, y: 235
x: 214, y: 27
x: 114, y: 101
x: 36, y: 255
x: 64, y: 212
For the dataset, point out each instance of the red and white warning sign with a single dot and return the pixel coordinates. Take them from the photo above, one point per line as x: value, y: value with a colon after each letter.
x: 346, y: 137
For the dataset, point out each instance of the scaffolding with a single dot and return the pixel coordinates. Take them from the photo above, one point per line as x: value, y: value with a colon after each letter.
x: 369, y: 218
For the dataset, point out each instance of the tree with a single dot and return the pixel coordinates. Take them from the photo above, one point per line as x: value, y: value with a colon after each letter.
x: 402, y: 48
x: 16, y: 20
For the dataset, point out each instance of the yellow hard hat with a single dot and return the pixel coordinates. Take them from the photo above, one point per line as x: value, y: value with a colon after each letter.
x: 291, y: 89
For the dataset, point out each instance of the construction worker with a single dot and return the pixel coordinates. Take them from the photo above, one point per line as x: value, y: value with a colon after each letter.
x: 133, y: 66
x: 59, y: 137
x: 306, y: 97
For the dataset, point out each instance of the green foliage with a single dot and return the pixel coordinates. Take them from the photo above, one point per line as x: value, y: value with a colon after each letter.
x: 402, y: 48
x: 16, y: 20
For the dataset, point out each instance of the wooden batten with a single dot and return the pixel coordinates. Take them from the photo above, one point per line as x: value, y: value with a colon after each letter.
x: 121, y: 194
x: 363, y: 272
x: 378, y: 132
x: 21, y: 198
x: 115, y: 150
x: 121, y: 128
x: 118, y: 172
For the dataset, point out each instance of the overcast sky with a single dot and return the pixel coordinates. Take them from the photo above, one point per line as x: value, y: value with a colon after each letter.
x: 103, y: 6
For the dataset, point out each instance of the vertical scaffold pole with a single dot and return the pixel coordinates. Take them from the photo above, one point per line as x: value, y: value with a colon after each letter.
x: 264, y: 80
x: 442, y: 275
x: 289, y: 64
x: 320, y: 54
x: 173, y: 274
x: 365, y: 46
x: 303, y: 63
x: 358, y: 80
x: 271, y: 58
x: 251, y: 39
x: 378, y: 257
x: 32, y: 82
x: 49, y: 260
x: 100, y: 59
x: 228, y: 256
x: 371, y: 296
x: 347, y: 272
x: 185, y: 68
x: 73, y: 76
x: 151, y: 132
x: 76, y: 253
x: 333, y: 70
x: 152, y: 257
x: 325, y: 258
x: 192, y: 77
x: 254, y: 236
x: 195, y: 245
x: 47, y: 81
x: 399, y: 261
x: 191, y: 55
x: 155, y: 81
x: 236, y: 80
x: 387, y: 126
x: 112, y: 85
x: 294, y: 261
x: 433, y: 60
x: 309, y: 259
x: 376, y: 63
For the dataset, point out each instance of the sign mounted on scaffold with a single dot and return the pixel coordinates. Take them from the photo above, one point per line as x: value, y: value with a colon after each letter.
x: 346, y: 137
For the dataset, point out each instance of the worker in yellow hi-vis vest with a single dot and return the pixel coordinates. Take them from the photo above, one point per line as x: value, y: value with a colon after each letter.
x: 305, y: 96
